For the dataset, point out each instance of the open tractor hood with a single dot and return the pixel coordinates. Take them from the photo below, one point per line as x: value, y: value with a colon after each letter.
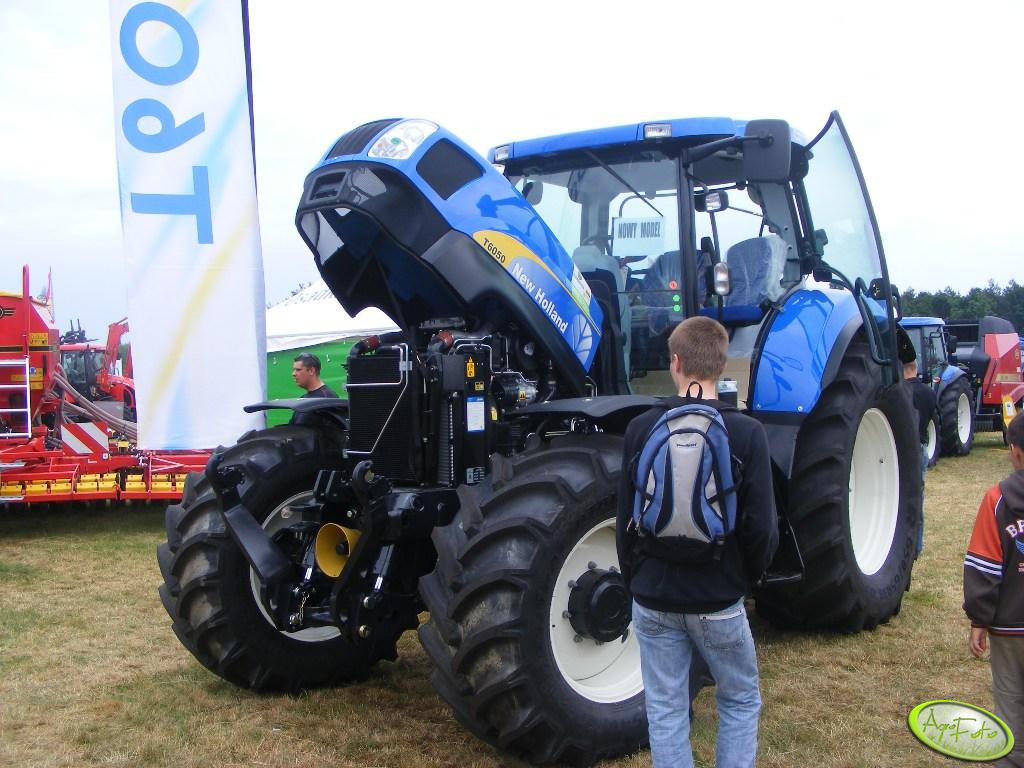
x: 403, y: 216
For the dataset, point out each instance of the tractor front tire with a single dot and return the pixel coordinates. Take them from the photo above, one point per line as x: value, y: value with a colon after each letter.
x: 854, y: 503
x: 956, y: 418
x: 934, y: 444
x: 212, y: 594
x: 506, y: 655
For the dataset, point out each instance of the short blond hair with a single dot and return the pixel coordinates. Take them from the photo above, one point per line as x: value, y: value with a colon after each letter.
x: 702, y: 346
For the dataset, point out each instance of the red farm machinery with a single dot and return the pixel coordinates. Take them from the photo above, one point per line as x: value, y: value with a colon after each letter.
x: 989, y: 349
x: 102, y: 374
x: 56, y: 445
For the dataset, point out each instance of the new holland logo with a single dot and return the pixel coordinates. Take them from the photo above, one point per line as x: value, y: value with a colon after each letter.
x: 6, y: 311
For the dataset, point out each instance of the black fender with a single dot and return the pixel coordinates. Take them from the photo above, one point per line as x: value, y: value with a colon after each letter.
x: 308, y: 410
x: 611, y: 412
x: 958, y: 373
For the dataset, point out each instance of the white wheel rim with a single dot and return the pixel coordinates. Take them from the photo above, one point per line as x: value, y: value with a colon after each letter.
x: 282, y: 517
x: 963, y: 418
x: 933, y: 439
x: 601, y: 672
x: 874, y: 499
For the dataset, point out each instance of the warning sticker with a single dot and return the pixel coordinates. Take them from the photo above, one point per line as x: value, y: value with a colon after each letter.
x: 475, y: 414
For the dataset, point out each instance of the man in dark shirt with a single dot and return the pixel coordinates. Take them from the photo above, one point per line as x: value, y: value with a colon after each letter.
x: 306, y: 373
x: 924, y: 403
x: 683, y: 608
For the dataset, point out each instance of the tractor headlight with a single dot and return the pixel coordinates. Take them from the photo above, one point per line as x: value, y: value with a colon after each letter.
x: 402, y: 139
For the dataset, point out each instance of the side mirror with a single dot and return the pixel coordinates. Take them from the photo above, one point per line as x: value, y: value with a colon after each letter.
x: 722, y: 279
x: 951, y: 342
x: 711, y: 202
x: 533, y: 191
x: 766, y: 150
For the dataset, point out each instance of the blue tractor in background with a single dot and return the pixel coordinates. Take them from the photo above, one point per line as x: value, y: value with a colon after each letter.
x: 473, y: 469
x: 952, y: 428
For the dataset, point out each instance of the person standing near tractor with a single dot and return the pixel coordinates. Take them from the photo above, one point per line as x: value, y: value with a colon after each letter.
x: 925, y: 403
x: 306, y: 374
x: 994, y: 591
x: 690, y: 605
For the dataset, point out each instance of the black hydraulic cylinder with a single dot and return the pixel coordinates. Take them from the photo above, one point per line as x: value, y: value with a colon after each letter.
x: 263, y: 555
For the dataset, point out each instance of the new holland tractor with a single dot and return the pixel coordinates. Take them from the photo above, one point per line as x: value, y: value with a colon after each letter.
x: 473, y: 470
x: 951, y: 431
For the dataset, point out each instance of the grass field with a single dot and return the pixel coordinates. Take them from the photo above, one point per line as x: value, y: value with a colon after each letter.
x: 91, y: 674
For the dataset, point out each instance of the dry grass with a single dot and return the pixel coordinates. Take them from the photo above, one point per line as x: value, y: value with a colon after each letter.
x: 90, y: 673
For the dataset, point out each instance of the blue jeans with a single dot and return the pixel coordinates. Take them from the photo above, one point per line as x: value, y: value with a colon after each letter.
x: 667, y: 642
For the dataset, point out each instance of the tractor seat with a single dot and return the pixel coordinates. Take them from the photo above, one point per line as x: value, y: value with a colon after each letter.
x: 755, y: 267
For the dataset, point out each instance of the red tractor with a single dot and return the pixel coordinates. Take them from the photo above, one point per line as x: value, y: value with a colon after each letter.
x: 101, y: 374
x: 990, y: 351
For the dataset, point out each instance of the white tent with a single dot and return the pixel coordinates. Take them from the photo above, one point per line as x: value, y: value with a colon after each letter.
x: 313, y: 316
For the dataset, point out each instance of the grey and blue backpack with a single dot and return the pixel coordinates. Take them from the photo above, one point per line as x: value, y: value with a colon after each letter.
x: 685, y: 479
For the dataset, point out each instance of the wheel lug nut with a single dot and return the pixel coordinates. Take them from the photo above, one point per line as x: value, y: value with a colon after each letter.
x: 566, y: 614
x: 572, y: 583
x: 591, y: 565
x: 578, y: 639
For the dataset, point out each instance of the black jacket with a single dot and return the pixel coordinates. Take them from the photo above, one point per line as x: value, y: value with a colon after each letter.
x: 706, y: 587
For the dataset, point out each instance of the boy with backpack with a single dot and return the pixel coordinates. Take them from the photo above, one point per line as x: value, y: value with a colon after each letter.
x: 696, y: 526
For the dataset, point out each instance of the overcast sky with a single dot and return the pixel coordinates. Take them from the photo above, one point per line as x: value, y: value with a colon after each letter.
x: 930, y: 93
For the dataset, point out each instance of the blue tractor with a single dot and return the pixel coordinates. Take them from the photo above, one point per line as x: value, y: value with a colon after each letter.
x: 951, y: 432
x: 472, y: 471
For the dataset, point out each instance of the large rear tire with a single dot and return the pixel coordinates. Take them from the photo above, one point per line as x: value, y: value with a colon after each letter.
x: 507, y: 658
x: 956, y: 418
x: 212, y: 594
x: 854, y: 503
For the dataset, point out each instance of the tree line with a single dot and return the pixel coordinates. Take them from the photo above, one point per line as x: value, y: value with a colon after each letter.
x: 1005, y: 302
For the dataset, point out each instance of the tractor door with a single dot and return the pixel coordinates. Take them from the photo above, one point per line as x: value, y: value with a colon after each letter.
x: 839, y: 218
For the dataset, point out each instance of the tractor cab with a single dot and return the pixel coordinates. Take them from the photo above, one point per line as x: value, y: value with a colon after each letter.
x: 707, y: 216
x: 932, y: 346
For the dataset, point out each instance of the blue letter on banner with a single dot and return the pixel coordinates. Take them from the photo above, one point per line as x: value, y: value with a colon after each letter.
x: 158, y: 75
x: 197, y: 204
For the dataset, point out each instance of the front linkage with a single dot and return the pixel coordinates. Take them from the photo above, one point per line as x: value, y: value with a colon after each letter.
x: 352, y: 560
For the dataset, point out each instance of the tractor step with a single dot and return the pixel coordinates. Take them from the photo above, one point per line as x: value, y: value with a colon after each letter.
x: 775, y: 579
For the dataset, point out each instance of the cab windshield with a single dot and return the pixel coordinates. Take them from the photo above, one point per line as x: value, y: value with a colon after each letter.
x: 619, y: 217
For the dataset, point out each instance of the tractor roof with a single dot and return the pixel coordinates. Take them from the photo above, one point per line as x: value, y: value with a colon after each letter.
x: 921, y: 322
x: 621, y: 134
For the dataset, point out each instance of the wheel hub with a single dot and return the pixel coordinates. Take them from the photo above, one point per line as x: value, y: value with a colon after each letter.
x: 600, y: 605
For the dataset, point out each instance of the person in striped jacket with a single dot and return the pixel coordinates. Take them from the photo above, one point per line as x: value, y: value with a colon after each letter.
x: 994, y: 590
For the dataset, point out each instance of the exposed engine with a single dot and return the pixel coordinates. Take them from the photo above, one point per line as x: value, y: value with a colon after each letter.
x: 433, y: 414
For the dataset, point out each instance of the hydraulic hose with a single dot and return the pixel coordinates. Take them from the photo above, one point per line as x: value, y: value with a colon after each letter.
x: 84, y: 407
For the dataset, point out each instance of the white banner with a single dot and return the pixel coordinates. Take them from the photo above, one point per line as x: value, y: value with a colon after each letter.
x: 188, y: 211
x: 638, y: 236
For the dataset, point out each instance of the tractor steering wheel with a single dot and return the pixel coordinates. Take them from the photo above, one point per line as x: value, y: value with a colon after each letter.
x: 601, y: 241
